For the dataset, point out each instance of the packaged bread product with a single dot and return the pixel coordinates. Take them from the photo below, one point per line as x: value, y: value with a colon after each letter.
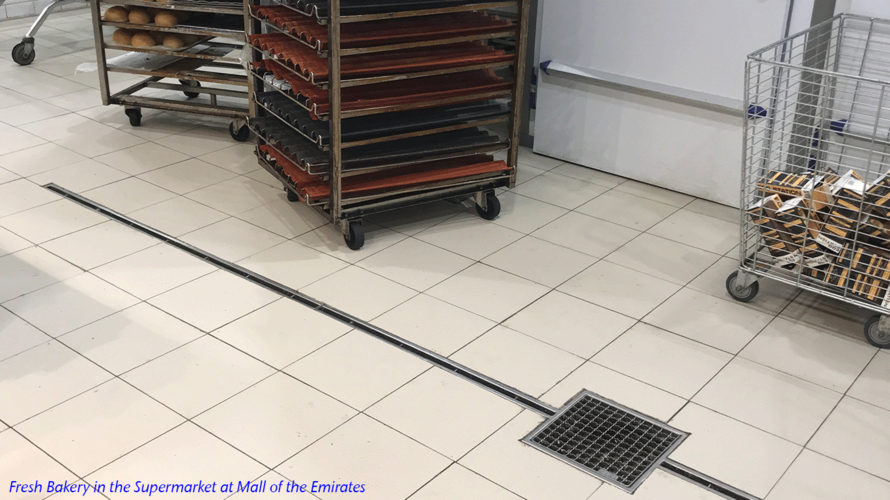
x: 122, y: 36
x: 143, y: 39
x: 139, y: 16
x: 116, y: 14
x: 166, y: 19
x: 174, y: 41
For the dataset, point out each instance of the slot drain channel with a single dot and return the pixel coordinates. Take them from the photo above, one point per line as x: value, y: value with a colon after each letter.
x: 632, y: 445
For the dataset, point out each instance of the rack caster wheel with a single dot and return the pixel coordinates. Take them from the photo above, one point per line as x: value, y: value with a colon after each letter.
x: 874, y: 335
x: 739, y: 293
x: 241, y: 135
x: 291, y: 195
x: 356, y: 238
x: 23, y: 54
x: 135, y: 116
x: 492, y: 209
x: 190, y: 95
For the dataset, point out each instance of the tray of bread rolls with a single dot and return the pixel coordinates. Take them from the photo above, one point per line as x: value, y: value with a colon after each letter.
x: 124, y: 38
x: 135, y: 18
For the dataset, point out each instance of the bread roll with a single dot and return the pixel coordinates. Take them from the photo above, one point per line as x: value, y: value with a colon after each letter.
x: 122, y: 37
x: 116, y: 14
x: 139, y: 16
x: 166, y: 19
x: 143, y: 39
x: 174, y: 41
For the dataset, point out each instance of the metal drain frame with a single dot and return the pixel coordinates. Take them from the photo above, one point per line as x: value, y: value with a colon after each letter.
x: 656, y: 462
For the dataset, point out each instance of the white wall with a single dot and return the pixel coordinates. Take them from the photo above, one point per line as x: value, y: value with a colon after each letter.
x: 873, y: 8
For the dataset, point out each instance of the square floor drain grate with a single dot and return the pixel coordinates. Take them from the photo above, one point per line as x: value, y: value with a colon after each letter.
x: 607, y: 440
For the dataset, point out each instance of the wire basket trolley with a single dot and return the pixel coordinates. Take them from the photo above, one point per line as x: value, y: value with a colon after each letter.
x: 815, y: 194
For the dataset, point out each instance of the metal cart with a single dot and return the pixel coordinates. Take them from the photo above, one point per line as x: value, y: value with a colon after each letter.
x: 323, y: 154
x: 23, y: 53
x: 211, y: 67
x: 815, y: 185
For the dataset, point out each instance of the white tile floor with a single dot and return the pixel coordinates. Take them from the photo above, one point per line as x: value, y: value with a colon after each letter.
x: 124, y: 358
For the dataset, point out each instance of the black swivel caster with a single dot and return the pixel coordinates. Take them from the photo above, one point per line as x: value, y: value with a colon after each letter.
x: 135, y: 116
x: 874, y: 335
x: 291, y: 195
x: 356, y: 238
x: 241, y: 135
x: 492, y: 208
x: 190, y: 95
x: 738, y: 293
x: 23, y: 53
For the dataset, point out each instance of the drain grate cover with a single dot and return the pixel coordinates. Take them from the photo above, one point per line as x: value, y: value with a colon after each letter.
x: 607, y: 440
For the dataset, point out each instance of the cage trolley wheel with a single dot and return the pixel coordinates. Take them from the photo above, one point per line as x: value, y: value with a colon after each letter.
x: 740, y: 293
x: 240, y: 134
x: 487, y: 205
x: 135, y: 116
x: 189, y: 83
x: 875, y: 335
x: 23, y: 53
x: 356, y: 237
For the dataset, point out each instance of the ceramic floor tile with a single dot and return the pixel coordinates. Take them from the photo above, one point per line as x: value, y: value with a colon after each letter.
x: 11, y: 98
x: 41, y: 86
x: 30, y: 112
x: 659, y: 486
x: 529, y: 473
x: 620, y: 289
x: 421, y: 217
x: 780, y: 404
x: 101, y: 425
x: 855, y: 434
x: 469, y: 235
x: 28, y: 464
x: 376, y: 294
x: 285, y: 416
x: 11, y: 242
x: 14, y: 139
x: 31, y: 269
x: 816, y: 477
x: 77, y: 101
x: 826, y: 314
x: 17, y: 336
x: 460, y: 482
x: 329, y: 240
x: 236, y: 196
x: 655, y: 193
x: 81, y: 176
x: 724, y: 212
x: 142, y: 158
x: 528, y: 157
x: 292, y: 264
x: 198, y: 141
x: 282, y: 332
x: 831, y: 361
x: 285, y: 218
x: 262, y: 175
x: 69, y: 130
x: 663, y: 259
x: 699, y: 231
x: 589, y: 175
x: 364, y: 448
x: 415, y: 264
x: 434, y: 324
x: 873, y: 385
x: 627, y: 210
x: 232, y: 239
x: 560, y: 190
x: 128, y: 195
x: 7, y: 176
x: 517, y: 360
x: 586, y: 234
x: 20, y: 195
x: 569, y: 323
x: 70, y: 304
x: 724, y: 324
x: 153, y: 271
x: 357, y: 369
x: 127, y: 339
x: 772, y: 298
x: 238, y: 158
x: 540, y: 261
x: 99, y: 244
x: 738, y: 454
x: 197, y: 376
x: 38, y: 159
x: 178, y: 216
x: 155, y: 124
x: 488, y: 292
x: 186, y: 454
x: 525, y: 173
x: 43, y: 377
x: 187, y: 176
x: 524, y: 214
x: 620, y: 388
x: 51, y: 220
x: 444, y: 412
x: 667, y: 361
x: 211, y: 301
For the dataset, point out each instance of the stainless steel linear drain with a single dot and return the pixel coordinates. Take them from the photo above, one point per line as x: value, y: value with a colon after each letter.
x: 607, y: 440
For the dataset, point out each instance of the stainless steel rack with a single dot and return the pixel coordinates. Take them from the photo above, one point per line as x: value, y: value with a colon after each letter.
x: 212, y: 67
x: 350, y: 146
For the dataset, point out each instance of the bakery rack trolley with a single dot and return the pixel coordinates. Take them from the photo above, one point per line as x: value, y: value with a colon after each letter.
x: 214, y: 59
x: 815, y: 184
x: 366, y: 106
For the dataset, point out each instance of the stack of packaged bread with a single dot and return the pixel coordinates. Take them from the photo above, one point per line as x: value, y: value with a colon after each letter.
x: 834, y: 228
x: 148, y: 16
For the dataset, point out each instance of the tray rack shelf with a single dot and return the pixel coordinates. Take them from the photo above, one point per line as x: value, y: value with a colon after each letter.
x: 359, y: 109
x: 212, y: 67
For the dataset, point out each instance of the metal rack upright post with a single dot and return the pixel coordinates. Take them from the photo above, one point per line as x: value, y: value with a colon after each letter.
x: 398, y: 153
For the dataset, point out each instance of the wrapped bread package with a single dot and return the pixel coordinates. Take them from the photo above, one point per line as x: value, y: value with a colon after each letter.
x: 116, y: 14
x: 803, y: 226
x: 836, y: 273
x: 870, y: 276
x: 785, y: 184
x: 763, y: 214
x: 817, y: 191
x: 843, y: 219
